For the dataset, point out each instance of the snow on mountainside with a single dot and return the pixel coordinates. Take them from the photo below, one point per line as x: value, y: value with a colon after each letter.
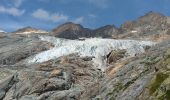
x: 93, y: 47
x: 1, y: 31
x: 29, y: 30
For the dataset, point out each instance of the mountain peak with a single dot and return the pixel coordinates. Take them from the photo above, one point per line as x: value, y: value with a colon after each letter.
x: 152, y: 16
x: 151, y: 13
x: 150, y: 19
x: 29, y: 28
x: 67, y: 26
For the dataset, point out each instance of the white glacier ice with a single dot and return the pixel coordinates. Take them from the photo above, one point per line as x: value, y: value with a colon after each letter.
x: 95, y: 47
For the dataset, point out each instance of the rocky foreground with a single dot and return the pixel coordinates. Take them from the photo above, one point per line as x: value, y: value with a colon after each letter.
x: 45, y: 67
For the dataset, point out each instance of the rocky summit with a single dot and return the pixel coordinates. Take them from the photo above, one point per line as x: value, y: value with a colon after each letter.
x: 71, y: 62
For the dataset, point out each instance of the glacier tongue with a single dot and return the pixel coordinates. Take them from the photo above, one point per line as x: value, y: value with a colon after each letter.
x: 96, y: 47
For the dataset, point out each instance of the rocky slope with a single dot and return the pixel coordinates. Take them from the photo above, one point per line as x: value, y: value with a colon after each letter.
x: 14, y: 48
x: 74, y: 77
x: 108, y: 31
x: 153, y: 26
x: 41, y: 67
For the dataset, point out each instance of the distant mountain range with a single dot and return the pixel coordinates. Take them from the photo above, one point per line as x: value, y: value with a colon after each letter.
x: 152, y: 25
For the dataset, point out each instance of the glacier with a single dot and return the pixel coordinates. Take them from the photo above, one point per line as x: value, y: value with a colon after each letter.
x: 92, y: 47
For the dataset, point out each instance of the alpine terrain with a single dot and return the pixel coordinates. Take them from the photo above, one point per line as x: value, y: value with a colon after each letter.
x: 72, y: 62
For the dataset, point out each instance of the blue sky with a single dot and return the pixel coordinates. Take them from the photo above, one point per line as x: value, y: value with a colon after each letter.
x: 48, y: 14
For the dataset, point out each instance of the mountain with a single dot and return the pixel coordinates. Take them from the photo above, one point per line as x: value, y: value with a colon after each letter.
x: 108, y: 31
x: 76, y: 31
x: 150, y: 25
x: 29, y: 30
x: 71, y: 31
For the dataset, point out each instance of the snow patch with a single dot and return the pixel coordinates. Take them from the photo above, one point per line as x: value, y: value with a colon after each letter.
x: 134, y: 31
x: 31, y: 32
x: 1, y: 31
x: 94, y: 47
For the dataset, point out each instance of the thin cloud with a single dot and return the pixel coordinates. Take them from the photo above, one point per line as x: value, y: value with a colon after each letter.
x: 11, y: 11
x: 79, y: 20
x: 100, y: 3
x: 92, y: 15
x: 45, y: 15
x: 18, y: 3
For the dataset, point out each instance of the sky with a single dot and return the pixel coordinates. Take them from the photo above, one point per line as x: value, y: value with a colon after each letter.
x: 48, y: 14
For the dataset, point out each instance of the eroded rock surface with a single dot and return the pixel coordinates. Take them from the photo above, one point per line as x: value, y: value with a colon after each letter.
x: 14, y: 48
x: 67, y: 78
